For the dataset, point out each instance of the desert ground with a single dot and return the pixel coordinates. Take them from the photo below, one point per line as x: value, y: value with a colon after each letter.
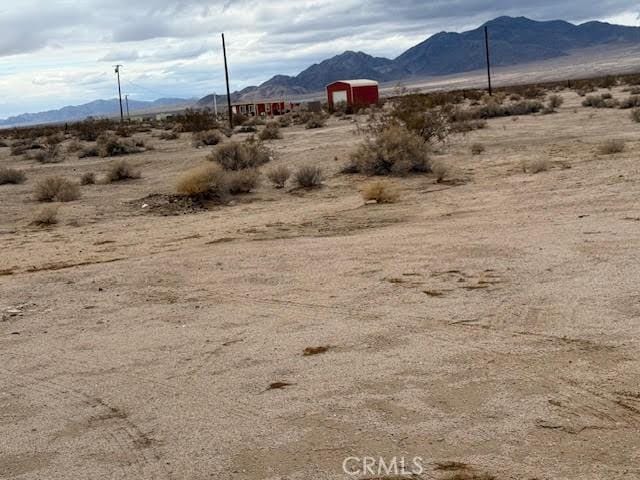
x: 488, y: 324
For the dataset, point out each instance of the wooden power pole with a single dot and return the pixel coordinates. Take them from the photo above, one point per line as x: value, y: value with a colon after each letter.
x: 120, y: 93
x: 226, y: 76
x: 486, y: 45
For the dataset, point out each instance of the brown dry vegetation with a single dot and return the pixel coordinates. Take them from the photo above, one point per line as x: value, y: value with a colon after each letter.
x: 56, y: 189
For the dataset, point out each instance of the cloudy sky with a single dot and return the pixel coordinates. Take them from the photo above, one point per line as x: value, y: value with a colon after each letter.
x: 58, y: 52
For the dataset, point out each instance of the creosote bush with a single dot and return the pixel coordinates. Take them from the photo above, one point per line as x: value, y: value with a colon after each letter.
x: 109, y: 145
x: 46, y: 217
x: 11, y: 176
x: 477, y: 148
x: 208, y: 181
x: 600, y: 101
x: 279, y: 175
x: 611, y: 146
x: 207, y: 137
x: 393, y: 151
x: 380, y: 191
x: 88, y: 178
x: 56, y: 189
x: 242, y: 181
x: 631, y: 102
x: 121, y: 170
x: 308, y: 176
x: 271, y: 131
x: 553, y: 103
x: 240, y: 155
x: 317, y: 120
x: 50, y: 154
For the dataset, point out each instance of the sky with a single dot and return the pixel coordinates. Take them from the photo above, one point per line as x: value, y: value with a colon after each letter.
x: 60, y: 52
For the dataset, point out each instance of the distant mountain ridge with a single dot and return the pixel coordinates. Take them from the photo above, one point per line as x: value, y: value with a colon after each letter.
x: 513, y: 41
x: 97, y: 108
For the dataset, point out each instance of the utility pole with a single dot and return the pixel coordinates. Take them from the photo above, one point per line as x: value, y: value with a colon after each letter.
x: 126, y: 99
x: 226, y: 75
x: 486, y: 44
x: 119, y: 93
x: 215, y: 105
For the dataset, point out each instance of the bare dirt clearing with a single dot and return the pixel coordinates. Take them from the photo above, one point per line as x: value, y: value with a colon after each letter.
x: 491, y: 322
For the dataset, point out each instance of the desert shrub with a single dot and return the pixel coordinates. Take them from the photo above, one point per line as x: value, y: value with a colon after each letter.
x: 514, y: 97
x: 393, y: 151
x: 634, y: 90
x: 196, y: 121
x: 170, y: 135
x: 3, y: 144
x: 206, y: 137
x: 285, y: 120
x: 57, y: 189
x: 279, y: 175
x: 380, y: 191
x: 74, y: 146
x: 631, y: 102
x: 88, y: 178
x: 90, y: 130
x: 243, y: 181
x: 317, y: 120
x: 20, y: 147
x: 121, y: 170
x: 45, y: 217
x: 270, y: 132
x: 208, y: 181
x: 123, y: 131
x: 111, y: 146
x: 238, y: 156
x: 600, y: 101
x: 255, y: 121
x: 54, y: 138
x: 247, y: 129
x: 477, y: 149
x: 90, y: 151
x: 554, y: 102
x: 308, y: 176
x: 635, y: 115
x: 495, y: 110
x: 11, y: 176
x: 239, y: 119
x: 440, y: 169
x: 611, y: 146
x: 50, y: 154
x: 536, y: 165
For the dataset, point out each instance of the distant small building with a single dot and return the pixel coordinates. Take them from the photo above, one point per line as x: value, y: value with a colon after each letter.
x: 264, y: 108
x: 353, y: 93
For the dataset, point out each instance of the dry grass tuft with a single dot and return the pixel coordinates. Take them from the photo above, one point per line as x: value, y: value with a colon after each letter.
x: 394, y: 151
x: 635, y: 115
x: 536, y: 165
x: 279, y: 175
x: 611, y: 146
x: 207, y: 137
x: 208, y: 181
x: 170, y: 135
x: 11, y: 176
x: 121, y: 170
x: 270, y: 132
x: 46, y: 217
x: 380, y: 191
x: 441, y: 170
x: 243, y: 181
x: 239, y: 156
x: 308, y: 176
x: 477, y: 149
x: 88, y: 178
x: 50, y: 154
x: 56, y: 189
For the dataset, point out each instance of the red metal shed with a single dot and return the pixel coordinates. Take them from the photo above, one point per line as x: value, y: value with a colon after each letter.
x: 355, y: 93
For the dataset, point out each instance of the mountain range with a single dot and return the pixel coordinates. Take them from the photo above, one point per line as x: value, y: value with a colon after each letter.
x: 513, y: 41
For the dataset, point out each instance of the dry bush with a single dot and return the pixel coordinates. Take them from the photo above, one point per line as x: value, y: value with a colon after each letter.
x: 254, y: 121
x: 88, y: 178
x: 243, y: 181
x: 536, y: 165
x: 121, y: 170
x: 74, y: 146
x: 380, y: 191
x: 20, y: 147
x: 54, y: 138
x: 207, y: 137
x: 477, y: 148
x: 111, y: 146
x: 634, y: 91
x: 196, y: 121
x: 495, y: 110
x: 11, y: 176
x: 317, y: 120
x: 57, y: 189
x: 170, y: 135
x: 635, y: 115
x: 208, y: 181
x: 50, y: 154
x: 600, y: 101
x: 238, y: 156
x: 611, y: 146
x: 90, y: 151
x: 239, y: 119
x: 90, y: 130
x: 285, y: 120
x: 247, y: 129
x: 308, y: 176
x: 393, y: 151
x: 441, y: 170
x: 271, y: 131
x: 3, y: 144
x: 554, y: 102
x: 279, y: 175
x: 45, y: 217
x: 631, y: 102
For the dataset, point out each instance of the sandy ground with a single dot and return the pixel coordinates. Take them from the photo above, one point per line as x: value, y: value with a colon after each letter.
x: 492, y: 321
